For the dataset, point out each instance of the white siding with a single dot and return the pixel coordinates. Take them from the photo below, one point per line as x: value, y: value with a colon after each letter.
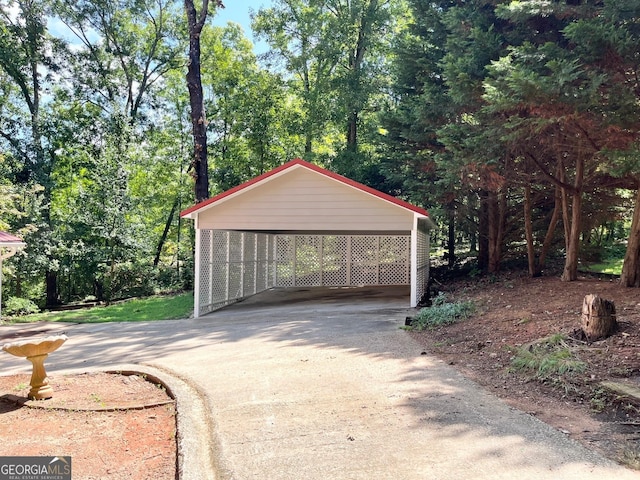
x: 305, y: 200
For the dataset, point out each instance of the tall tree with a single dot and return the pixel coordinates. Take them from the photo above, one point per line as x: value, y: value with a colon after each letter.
x: 560, y: 111
x: 126, y: 48
x: 26, y: 58
x: 362, y: 27
x: 300, y: 32
x: 606, y: 43
x: 196, y: 22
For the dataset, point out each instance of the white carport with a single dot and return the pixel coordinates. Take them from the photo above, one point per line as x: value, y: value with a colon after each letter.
x: 302, y: 225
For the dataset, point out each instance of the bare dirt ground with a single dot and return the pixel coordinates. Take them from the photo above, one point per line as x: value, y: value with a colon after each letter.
x: 513, y: 311
x: 113, y: 426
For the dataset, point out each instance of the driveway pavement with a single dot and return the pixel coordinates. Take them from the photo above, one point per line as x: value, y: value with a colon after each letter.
x: 325, y: 385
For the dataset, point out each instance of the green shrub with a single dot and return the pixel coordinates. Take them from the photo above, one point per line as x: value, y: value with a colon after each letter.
x: 442, y: 313
x: 19, y: 306
x: 547, y: 358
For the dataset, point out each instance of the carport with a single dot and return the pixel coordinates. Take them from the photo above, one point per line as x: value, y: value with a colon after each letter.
x: 302, y: 225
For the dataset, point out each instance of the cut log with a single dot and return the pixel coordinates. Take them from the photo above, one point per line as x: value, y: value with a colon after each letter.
x: 598, y: 318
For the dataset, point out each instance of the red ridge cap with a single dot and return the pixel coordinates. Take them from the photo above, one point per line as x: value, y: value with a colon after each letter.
x: 315, y: 168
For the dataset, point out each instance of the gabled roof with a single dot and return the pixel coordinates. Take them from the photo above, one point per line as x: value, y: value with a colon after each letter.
x: 8, y: 240
x: 289, y: 166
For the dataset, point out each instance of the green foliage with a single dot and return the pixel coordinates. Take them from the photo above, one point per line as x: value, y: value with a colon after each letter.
x: 547, y: 359
x: 442, y: 313
x: 447, y: 105
x: 19, y: 306
x: 159, y: 307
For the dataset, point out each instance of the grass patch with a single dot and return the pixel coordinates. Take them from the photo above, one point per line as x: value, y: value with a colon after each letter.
x: 441, y: 313
x: 610, y: 267
x: 547, y: 358
x: 159, y: 307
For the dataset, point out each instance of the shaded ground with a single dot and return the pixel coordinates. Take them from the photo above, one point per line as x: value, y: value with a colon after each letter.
x: 139, y: 443
x: 513, y: 311
x: 113, y: 426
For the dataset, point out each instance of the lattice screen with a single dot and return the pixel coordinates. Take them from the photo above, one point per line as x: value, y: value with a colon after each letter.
x: 206, y: 280
x: 342, y: 260
x: 335, y: 260
x: 285, y: 260
x: 234, y: 265
x: 394, y: 260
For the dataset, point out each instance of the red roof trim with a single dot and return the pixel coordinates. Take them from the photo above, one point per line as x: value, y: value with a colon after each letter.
x: 315, y: 168
x: 8, y: 238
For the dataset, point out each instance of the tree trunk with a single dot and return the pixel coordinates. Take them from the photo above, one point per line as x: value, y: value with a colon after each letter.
x: 598, y: 318
x: 528, y: 230
x: 570, y: 272
x: 451, y: 239
x: 352, y: 132
x: 483, y: 232
x: 165, y: 232
x: 546, y: 245
x: 496, y: 211
x: 196, y: 100
x: 630, y: 276
x: 51, y: 278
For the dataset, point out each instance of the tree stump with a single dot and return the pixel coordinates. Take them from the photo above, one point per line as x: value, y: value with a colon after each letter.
x: 598, y: 318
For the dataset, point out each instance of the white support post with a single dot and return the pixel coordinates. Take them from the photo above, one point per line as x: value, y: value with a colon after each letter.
x: 228, y: 280
x: 414, y: 263
x: 211, y: 263
x: 196, y: 274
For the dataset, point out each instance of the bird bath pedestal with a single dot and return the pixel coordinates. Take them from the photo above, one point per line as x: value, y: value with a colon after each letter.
x: 36, y: 351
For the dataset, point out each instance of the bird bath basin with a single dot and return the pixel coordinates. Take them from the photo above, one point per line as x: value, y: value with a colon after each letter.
x: 36, y: 351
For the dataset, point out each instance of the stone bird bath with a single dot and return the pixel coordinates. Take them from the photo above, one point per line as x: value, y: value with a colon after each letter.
x: 36, y: 351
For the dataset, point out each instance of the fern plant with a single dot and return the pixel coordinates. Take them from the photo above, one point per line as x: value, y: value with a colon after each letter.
x: 442, y: 312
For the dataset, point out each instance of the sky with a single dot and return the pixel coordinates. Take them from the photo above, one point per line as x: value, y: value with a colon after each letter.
x: 238, y: 11
x: 235, y: 11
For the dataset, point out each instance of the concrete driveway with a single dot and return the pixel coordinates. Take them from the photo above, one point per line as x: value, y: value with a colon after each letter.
x: 322, y: 384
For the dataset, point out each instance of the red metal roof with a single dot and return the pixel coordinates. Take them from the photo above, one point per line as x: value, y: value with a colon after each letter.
x: 315, y: 168
x: 8, y: 238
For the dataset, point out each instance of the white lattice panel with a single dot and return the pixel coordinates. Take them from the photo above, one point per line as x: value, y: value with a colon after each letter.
x: 285, y: 260
x: 204, y: 290
x: 364, y: 260
x: 334, y: 260
x: 219, y: 267
x: 394, y: 260
x: 342, y: 260
x: 271, y: 264
x: 234, y: 265
x: 249, y: 261
x: 262, y: 265
x: 307, y: 260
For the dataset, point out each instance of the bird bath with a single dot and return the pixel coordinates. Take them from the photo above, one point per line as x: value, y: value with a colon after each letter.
x: 36, y: 351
